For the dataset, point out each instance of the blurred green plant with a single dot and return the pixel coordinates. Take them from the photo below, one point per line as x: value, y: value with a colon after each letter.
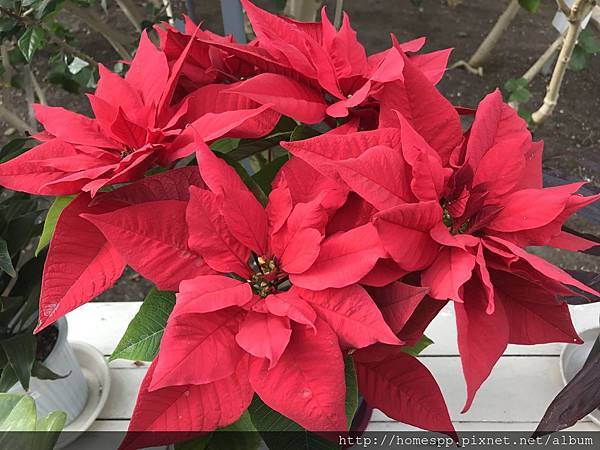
x: 20, y: 282
x: 21, y: 428
x: 40, y: 38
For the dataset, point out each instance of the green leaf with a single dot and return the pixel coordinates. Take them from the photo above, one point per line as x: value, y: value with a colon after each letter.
x: 351, y: 389
x: 225, y: 145
x: 54, y: 212
x: 530, y: 5
x: 41, y: 372
x: 521, y: 95
x: 20, y: 351
x: 6, y: 264
x: 240, y: 435
x: 588, y: 42
x: 279, y: 432
x: 302, y: 132
x: 515, y: 84
x: 8, y: 378
x: 579, y: 59
x: 264, y: 177
x: 18, y: 414
x: 142, y: 337
x: 7, y: 24
x: 48, y: 430
x: 416, y: 349
x: 31, y: 41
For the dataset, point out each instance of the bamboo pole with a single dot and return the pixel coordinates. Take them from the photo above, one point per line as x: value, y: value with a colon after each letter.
x: 580, y: 9
x: 485, y: 48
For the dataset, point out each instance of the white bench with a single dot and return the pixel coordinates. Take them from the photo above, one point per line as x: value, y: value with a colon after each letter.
x: 514, y: 398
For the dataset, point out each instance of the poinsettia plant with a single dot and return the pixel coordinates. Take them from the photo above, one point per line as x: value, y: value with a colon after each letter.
x: 304, y: 210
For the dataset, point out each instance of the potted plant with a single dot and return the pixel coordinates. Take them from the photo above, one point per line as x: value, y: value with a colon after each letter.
x: 42, y: 365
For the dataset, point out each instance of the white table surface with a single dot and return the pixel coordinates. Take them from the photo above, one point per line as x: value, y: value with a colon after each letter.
x: 514, y: 398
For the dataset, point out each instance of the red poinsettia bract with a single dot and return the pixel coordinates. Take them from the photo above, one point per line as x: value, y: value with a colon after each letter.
x: 461, y: 216
x: 243, y: 323
x: 136, y: 127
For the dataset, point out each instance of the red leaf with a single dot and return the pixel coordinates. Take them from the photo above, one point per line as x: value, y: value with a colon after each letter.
x: 211, y: 238
x: 188, y: 410
x: 535, y: 315
x: 285, y: 95
x: 210, y: 293
x: 397, y: 303
x: 264, y: 336
x: 307, y: 385
x: 432, y: 65
x: 405, y: 233
x: 319, y: 151
x: 352, y: 314
x: 482, y: 338
x: 289, y: 304
x: 198, y: 349
x: 72, y: 127
x: 246, y: 219
x: 449, y: 272
x: 147, y: 55
x: 344, y: 259
x: 532, y: 208
x: 495, y: 122
x: 379, y: 175
x: 153, y: 245
x: 33, y: 172
x: 543, y: 267
x: 403, y: 389
x: 431, y: 115
x: 80, y: 265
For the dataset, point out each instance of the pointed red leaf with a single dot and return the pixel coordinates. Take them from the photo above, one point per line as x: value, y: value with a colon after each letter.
x: 290, y: 304
x: 403, y: 389
x: 482, y: 338
x: 187, y: 410
x: 198, y: 349
x: 211, y: 238
x: 307, y: 384
x: 208, y: 293
x: 405, y: 233
x: 379, y: 175
x: 264, y: 336
x: 287, y: 96
x: 344, y: 259
x: 81, y: 264
x: 154, y: 246
x: 352, y: 314
x: 397, y: 302
x: 449, y: 272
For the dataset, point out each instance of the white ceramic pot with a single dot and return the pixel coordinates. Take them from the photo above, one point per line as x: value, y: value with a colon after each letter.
x: 68, y: 394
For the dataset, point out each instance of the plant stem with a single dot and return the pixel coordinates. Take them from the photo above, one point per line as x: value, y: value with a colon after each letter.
x: 39, y: 91
x: 542, y: 60
x: 13, y: 120
x: 485, y: 48
x: 51, y: 35
x: 304, y: 10
x: 132, y: 12
x: 30, y: 97
x: 8, y: 70
x: 113, y: 37
x: 168, y: 10
x: 580, y: 9
x: 339, y: 10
